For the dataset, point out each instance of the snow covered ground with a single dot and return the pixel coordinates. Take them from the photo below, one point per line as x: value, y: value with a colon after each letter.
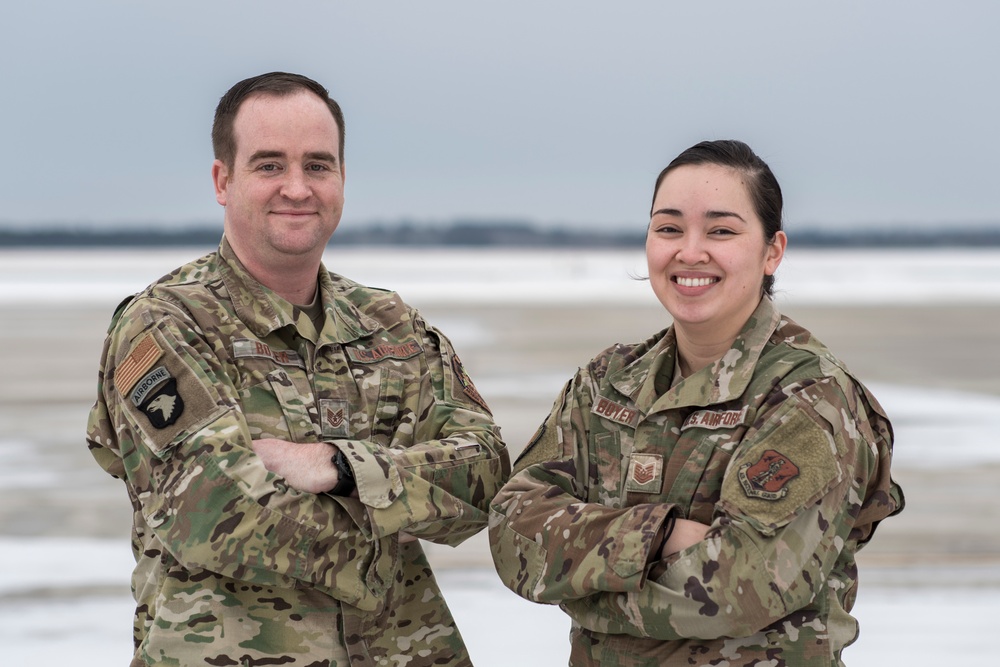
x: 66, y: 600
x: 913, y: 618
x: 912, y: 626
x: 484, y: 275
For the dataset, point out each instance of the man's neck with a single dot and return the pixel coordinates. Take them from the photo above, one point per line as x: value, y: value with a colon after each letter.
x: 295, y: 284
x: 294, y: 279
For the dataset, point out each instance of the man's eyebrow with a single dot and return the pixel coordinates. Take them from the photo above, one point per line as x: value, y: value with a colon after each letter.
x: 324, y: 156
x: 265, y: 155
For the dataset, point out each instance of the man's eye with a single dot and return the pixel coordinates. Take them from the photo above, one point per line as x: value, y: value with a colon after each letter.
x: 268, y: 167
x: 318, y: 167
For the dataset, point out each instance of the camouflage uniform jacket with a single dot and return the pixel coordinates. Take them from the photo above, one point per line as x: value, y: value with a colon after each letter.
x: 234, y: 567
x: 776, y: 447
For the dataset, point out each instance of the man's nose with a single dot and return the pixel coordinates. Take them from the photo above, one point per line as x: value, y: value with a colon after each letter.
x: 295, y: 185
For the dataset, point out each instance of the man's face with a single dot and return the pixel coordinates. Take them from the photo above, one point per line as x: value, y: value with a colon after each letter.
x: 284, y: 193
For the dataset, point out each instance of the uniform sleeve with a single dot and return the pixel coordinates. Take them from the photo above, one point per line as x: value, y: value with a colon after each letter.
x: 549, y: 543
x: 445, y: 460
x: 170, y: 413
x: 789, y: 502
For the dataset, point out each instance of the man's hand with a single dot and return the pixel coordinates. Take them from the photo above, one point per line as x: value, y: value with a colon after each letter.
x: 305, y: 466
x: 685, y: 534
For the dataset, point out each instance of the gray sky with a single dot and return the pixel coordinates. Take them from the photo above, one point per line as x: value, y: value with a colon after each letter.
x: 552, y: 111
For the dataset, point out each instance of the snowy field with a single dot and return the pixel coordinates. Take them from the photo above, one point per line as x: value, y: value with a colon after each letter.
x: 66, y: 600
x: 528, y: 276
x: 916, y: 627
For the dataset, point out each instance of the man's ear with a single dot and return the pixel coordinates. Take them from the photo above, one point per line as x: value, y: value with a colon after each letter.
x: 220, y: 178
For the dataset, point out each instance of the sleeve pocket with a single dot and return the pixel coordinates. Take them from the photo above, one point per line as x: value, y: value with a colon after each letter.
x: 168, y: 402
x: 785, y: 468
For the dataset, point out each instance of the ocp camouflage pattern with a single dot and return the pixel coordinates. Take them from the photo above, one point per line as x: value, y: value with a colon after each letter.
x: 234, y: 567
x: 777, y: 447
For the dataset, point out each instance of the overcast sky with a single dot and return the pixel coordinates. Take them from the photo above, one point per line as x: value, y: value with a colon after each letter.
x: 554, y: 111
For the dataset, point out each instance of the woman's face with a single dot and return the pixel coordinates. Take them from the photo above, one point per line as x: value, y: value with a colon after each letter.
x: 706, y: 250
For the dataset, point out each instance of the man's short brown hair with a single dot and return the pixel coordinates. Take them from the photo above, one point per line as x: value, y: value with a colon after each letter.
x: 278, y: 84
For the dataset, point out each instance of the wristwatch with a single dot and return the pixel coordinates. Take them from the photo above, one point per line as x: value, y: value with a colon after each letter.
x: 345, y: 476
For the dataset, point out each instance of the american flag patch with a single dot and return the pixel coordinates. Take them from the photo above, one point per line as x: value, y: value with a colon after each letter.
x: 137, y: 363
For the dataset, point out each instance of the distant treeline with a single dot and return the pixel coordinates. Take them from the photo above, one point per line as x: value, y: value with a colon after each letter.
x: 480, y: 234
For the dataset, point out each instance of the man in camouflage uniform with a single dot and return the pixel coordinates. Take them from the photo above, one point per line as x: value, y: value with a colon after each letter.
x: 776, y: 447
x: 286, y: 435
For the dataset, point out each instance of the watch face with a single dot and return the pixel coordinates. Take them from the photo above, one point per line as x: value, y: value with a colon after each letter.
x: 342, y: 466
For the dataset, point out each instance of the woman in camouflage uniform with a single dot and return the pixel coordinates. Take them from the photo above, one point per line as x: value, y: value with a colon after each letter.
x: 699, y: 498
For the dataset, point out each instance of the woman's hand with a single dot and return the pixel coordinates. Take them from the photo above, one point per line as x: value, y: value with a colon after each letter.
x: 684, y: 534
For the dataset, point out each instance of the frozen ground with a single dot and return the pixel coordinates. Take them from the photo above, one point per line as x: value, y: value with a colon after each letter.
x: 929, y: 597
x: 61, y: 597
x: 527, y: 276
x: 901, y: 625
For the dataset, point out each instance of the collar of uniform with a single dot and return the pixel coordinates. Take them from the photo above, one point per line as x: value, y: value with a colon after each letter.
x: 255, y: 305
x: 724, y: 380
x: 344, y: 322
x: 263, y: 311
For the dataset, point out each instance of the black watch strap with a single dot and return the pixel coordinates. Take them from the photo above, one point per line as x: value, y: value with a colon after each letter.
x: 345, y: 476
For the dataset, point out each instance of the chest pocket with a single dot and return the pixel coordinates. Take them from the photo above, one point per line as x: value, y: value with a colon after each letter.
x: 707, y: 442
x: 388, y: 408
x: 275, y: 393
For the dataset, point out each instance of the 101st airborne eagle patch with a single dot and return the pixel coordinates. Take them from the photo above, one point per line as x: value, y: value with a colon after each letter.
x: 466, y: 382
x: 768, y: 478
x: 154, y: 391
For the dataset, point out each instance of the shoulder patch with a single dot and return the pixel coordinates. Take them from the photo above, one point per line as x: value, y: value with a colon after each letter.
x: 165, y: 406
x: 143, y: 355
x: 786, y: 467
x: 769, y: 476
x: 466, y: 383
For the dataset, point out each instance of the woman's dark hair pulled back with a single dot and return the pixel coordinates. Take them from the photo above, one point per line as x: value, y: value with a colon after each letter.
x: 762, y: 186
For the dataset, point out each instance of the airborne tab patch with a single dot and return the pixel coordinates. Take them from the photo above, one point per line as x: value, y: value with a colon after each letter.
x: 151, y: 381
x: 163, y: 405
x: 768, y: 478
x: 615, y: 412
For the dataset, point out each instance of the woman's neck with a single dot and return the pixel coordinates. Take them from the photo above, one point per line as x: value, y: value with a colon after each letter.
x: 697, y: 351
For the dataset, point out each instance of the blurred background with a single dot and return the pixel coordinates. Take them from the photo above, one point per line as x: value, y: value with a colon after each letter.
x: 500, y: 161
